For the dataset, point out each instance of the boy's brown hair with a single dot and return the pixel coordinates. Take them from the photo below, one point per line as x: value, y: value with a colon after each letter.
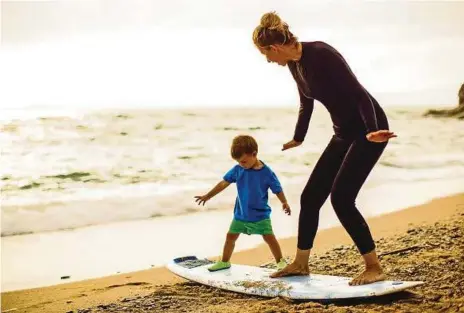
x: 243, y: 144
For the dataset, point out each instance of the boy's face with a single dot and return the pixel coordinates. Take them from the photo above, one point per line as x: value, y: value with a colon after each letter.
x: 247, y: 160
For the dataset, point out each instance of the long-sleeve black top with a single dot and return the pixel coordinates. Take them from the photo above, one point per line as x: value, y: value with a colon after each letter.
x: 323, y: 74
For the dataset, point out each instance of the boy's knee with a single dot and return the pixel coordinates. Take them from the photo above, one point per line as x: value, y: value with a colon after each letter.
x: 269, y: 238
x: 232, y: 237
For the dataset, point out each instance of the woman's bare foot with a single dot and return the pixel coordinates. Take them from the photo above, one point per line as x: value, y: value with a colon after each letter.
x: 299, y: 266
x: 370, y: 275
x: 293, y: 269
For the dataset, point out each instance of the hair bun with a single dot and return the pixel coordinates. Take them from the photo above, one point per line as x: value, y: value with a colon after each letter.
x: 271, y: 21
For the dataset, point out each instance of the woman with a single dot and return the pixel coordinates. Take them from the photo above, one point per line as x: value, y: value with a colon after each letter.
x: 360, y: 136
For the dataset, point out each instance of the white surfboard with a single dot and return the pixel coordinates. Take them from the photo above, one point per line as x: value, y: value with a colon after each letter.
x: 255, y: 280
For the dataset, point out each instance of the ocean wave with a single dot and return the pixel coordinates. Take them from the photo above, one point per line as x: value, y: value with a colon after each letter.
x: 425, y: 162
x: 241, y: 129
x: 64, y: 223
x: 76, y: 176
x: 386, y: 174
x: 47, y: 182
x: 64, y: 171
x: 71, y: 180
x: 100, y: 206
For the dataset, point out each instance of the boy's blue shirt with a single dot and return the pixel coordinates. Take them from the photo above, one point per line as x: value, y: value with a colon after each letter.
x: 251, y: 204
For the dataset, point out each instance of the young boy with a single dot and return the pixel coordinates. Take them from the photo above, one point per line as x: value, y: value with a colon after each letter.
x: 251, y: 212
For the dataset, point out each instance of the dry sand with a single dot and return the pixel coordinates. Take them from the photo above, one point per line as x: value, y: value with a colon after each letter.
x: 432, y: 235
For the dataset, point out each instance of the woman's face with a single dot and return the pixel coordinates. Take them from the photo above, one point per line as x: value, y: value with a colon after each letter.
x: 274, y: 54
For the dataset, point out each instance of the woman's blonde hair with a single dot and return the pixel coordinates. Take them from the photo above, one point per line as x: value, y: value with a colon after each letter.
x: 272, y: 30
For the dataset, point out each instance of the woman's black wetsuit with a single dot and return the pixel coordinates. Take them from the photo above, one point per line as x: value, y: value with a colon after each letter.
x: 323, y: 74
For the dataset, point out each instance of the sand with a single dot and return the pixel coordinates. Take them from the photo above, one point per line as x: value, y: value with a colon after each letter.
x: 432, y: 235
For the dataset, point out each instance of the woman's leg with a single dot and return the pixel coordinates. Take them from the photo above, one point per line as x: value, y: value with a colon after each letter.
x: 314, y: 195
x: 359, y: 161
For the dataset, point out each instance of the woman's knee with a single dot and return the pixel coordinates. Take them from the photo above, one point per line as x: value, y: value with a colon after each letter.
x: 341, y: 202
x: 306, y: 197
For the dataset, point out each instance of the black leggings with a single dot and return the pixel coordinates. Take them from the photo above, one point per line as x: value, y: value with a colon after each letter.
x: 340, y: 172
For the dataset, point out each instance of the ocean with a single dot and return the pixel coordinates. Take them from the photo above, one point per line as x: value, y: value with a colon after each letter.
x: 93, y: 192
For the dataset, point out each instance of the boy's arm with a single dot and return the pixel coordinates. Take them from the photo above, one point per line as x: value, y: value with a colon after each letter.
x: 279, y: 192
x: 216, y: 189
x: 284, y: 202
x: 281, y: 197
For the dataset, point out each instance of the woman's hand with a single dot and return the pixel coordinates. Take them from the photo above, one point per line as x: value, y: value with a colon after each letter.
x: 380, y: 136
x: 290, y: 144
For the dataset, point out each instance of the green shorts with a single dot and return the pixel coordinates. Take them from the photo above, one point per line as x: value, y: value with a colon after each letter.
x: 263, y: 227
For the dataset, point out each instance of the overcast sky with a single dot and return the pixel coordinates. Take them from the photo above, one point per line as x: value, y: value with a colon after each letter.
x: 37, y: 20
x: 407, y: 52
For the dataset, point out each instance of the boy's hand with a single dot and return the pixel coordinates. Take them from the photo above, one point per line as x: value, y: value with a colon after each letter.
x: 201, y: 199
x: 286, y: 208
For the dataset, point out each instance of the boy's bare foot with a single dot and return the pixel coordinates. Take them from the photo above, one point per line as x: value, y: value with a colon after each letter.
x: 293, y: 269
x: 370, y: 275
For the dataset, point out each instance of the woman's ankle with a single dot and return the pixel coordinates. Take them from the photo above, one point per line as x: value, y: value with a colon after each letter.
x: 302, y: 256
x: 371, y: 261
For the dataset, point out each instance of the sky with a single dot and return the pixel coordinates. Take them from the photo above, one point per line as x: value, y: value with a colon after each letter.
x: 199, y: 53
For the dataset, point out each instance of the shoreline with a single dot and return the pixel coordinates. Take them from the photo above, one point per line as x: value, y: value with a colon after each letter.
x: 128, y: 246
x: 105, y: 290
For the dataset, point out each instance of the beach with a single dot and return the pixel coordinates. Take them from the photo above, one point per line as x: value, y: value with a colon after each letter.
x: 116, y: 115
x: 430, y: 234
